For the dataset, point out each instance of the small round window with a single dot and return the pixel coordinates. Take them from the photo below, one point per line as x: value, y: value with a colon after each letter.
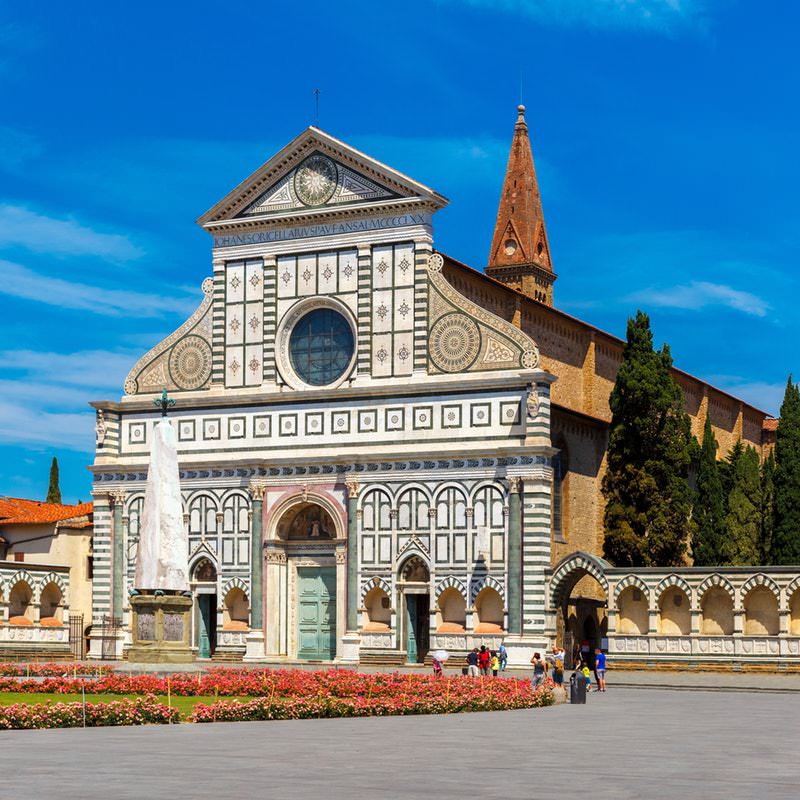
x: 321, y: 346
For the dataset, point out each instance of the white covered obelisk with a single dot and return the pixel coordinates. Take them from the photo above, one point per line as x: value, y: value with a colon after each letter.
x: 162, y: 562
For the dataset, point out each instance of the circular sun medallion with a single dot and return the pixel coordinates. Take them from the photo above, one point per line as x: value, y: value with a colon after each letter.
x: 315, y: 180
x: 190, y: 362
x: 454, y: 342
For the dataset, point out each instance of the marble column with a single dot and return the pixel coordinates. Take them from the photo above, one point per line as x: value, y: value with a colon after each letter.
x: 352, y: 556
x: 118, y: 575
x: 255, y: 638
x: 256, y: 557
x: 514, y: 557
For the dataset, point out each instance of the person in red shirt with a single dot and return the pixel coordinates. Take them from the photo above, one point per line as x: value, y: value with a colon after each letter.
x: 485, y: 660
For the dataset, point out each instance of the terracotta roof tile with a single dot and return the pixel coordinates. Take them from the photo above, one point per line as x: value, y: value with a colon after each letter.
x: 17, y: 511
x: 771, y: 424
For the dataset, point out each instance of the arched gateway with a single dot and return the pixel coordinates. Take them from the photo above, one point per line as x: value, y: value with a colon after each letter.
x: 305, y: 580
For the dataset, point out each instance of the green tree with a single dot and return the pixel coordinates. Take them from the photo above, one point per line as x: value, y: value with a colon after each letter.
x: 727, y: 470
x: 648, y: 499
x: 786, y: 529
x: 709, y: 505
x: 767, y: 508
x: 53, y: 491
x: 743, y: 521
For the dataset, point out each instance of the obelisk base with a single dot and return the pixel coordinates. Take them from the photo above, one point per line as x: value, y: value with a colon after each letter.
x: 161, y: 626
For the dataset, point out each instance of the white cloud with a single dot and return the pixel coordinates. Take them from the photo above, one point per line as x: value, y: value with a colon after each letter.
x: 654, y: 15
x: 21, y: 227
x: 19, y: 281
x: 24, y: 424
x: 44, y: 400
x: 698, y: 295
x: 98, y: 369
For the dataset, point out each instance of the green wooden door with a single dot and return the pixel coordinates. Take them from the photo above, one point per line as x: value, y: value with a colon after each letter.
x: 316, y: 613
x: 205, y: 608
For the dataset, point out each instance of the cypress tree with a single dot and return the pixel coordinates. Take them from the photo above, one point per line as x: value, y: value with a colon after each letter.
x: 53, y: 491
x: 648, y: 499
x: 786, y: 529
x: 709, y: 505
x: 743, y: 521
x: 767, y: 508
x: 727, y: 470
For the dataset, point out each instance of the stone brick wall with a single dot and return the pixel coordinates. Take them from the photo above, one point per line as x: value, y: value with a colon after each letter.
x: 586, y: 361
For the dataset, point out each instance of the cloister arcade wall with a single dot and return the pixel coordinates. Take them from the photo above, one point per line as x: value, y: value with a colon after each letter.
x: 691, y: 615
x: 34, y: 609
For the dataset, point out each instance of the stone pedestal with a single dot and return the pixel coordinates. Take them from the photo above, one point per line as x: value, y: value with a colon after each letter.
x: 351, y: 647
x: 161, y: 626
x: 254, y: 644
x: 521, y: 649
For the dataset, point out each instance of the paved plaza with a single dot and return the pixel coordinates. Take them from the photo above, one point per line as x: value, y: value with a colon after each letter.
x: 628, y: 743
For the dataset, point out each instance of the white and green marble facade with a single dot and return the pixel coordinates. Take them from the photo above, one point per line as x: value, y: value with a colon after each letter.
x: 433, y: 444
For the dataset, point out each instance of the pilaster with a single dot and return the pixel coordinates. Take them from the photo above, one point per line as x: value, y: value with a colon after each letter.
x: 514, y: 558
x: 255, y: 638
x: 118, y: 581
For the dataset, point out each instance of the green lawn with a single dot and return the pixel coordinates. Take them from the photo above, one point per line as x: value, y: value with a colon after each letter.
x: 183, y: 704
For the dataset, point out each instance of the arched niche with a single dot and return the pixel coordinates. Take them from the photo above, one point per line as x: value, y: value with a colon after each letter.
x: 451, y: 616
x: 378, y: 609
x: 794, y: 614
x: 761, y: 612
x: 489, y: 611
x: 235, y: 610
x: 51, y: 602
x: 633, y: 614
x: 716, y: 612
x: 20, y: 604
x: 674, y: 613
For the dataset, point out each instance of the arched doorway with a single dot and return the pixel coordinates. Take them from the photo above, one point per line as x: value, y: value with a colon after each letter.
x: 204, y: 588
x: 579, y: 594
x: 414, y: 586
x: 305, y: 579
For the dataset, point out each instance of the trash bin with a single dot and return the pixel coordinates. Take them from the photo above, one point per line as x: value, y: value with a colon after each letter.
x: 577, y: 688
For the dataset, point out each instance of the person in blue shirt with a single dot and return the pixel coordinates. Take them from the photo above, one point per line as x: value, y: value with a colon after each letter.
x: 600, y: 669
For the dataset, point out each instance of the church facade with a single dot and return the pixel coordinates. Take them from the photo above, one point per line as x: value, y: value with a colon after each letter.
x: 382, y: 450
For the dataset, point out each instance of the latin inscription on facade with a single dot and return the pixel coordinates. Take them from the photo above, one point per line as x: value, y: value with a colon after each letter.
x: 327, y: 229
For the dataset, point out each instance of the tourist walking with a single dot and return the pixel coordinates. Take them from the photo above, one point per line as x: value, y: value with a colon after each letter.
x: 472, y: 663
x: 600, y: 669
x: 502, y: 654
x: 495, y: 663
x: 539, y: 670
x: 587, y: 676
x: 484, y: 661
x: 437, y: 667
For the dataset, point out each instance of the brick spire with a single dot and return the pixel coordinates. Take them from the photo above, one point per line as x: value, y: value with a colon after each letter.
x: 520, y: 254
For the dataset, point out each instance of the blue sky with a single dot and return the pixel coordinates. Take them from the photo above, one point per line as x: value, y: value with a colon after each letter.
x: 665, y: 136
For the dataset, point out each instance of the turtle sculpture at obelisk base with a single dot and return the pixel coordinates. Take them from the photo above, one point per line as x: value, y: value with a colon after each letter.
x: 161, y: 602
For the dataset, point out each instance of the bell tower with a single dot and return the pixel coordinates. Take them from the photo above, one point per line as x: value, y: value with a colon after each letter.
x: 520, y: 254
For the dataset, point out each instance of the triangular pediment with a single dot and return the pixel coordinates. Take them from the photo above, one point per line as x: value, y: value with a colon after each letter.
x: 316, y: 181
x: 313, y: 174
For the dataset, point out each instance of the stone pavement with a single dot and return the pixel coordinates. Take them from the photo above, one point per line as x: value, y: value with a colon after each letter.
x: 622, y: 744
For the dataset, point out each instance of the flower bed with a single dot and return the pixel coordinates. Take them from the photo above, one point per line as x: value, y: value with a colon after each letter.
x: 141, y: 711
x: 277, y: 683
x: 11, y: 669
x: 439, y: 696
